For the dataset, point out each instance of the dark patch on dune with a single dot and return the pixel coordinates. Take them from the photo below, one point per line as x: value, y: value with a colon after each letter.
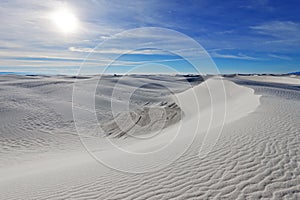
x: 140, y: 122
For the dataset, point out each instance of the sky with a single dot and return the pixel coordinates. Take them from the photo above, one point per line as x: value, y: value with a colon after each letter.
x: 153, y: 36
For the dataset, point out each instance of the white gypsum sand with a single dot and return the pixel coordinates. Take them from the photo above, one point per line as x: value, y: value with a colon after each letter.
x: 256, y: 155
x: 291, y: 79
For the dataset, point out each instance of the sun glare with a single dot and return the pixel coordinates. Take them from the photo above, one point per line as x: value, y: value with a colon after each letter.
x: 65, y: 21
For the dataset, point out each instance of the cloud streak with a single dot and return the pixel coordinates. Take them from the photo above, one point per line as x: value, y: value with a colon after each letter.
x: 281, y: 57
x: 120, y: 51
x: 230, y: 56
x: 279, y: 29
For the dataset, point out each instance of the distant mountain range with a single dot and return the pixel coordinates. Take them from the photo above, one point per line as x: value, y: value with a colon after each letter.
x: 31, y: 74
x: 296, y: 73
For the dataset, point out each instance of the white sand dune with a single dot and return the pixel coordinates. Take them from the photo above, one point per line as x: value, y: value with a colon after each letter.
x: 292, y: 79
x: 256, y: 156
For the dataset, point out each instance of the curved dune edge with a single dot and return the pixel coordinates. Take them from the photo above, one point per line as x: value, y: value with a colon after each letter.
x: 223, y: 96
x: 219, y: 102
x: 207, y: 108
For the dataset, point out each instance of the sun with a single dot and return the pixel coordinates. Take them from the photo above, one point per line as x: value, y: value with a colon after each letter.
x: 65, y: 21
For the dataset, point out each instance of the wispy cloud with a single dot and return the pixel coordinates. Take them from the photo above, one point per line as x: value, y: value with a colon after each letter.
x: 279, y: 29
x: 281, y: 57
x: 231, y: 56
x: 120, y: 51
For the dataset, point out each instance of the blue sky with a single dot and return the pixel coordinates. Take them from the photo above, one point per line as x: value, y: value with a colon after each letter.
x: 255, y: 36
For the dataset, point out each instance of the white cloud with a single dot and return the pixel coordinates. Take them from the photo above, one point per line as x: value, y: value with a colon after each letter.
x: 27, y: 31
x: 119, y: 51
x: 281, y: 57
x: 280, y: 29
x: 230, y: 56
